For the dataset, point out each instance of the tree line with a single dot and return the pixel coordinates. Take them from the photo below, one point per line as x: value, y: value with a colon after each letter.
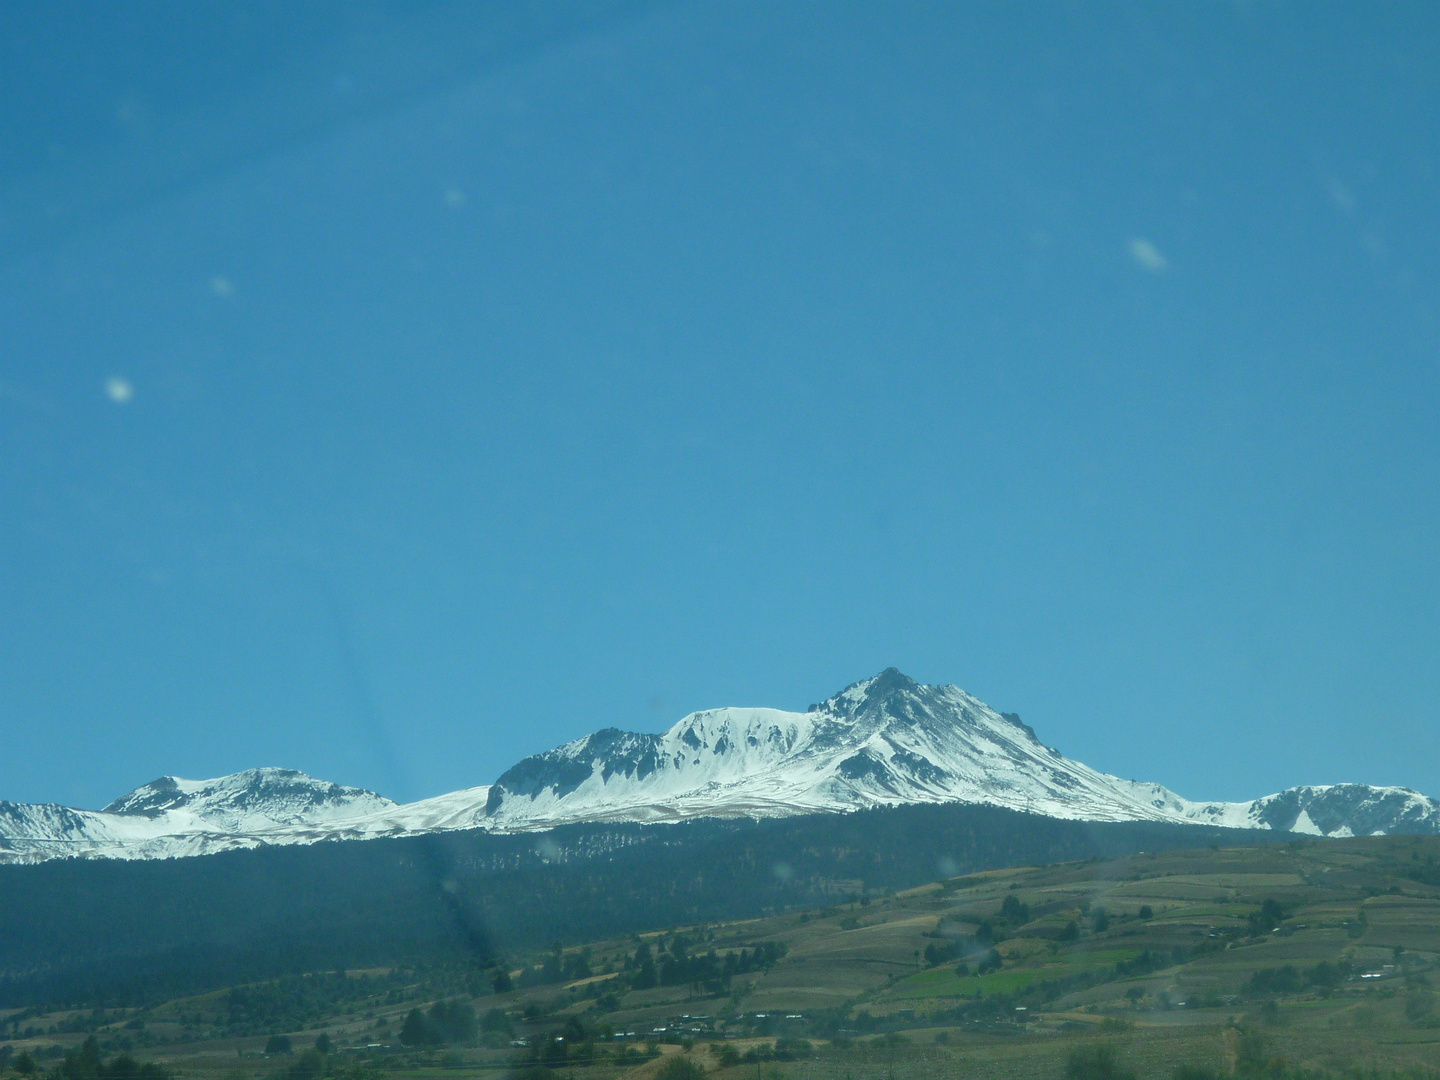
x: 170, y: 928
x: 85, y: 1063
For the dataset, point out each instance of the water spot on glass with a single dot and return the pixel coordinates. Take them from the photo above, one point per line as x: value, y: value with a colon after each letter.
x: 1341, y: 196
x: 1147, y: 255
x: 119, y: 389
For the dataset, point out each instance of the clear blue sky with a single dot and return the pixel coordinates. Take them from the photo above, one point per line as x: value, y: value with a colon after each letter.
x: 389, y: 405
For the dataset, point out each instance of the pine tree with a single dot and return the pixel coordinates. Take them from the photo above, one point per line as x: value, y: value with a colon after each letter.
x: 415, y: 1031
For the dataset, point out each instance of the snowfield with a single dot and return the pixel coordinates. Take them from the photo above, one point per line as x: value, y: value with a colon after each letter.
x: 886, y: 741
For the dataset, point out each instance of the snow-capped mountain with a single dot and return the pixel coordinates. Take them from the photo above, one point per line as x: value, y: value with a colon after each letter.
x: 171, y: 817
x: 882, y: 742
x: 1329, y: 810
x: 247, y: 801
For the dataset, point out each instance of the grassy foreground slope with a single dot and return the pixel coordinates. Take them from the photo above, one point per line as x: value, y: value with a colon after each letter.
x: 1310, y: 957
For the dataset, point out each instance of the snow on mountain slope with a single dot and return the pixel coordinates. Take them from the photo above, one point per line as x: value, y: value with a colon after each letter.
x: 882, y: 742
x: 249, y: 800
x: 1329, y: 810
x: 171, y: 817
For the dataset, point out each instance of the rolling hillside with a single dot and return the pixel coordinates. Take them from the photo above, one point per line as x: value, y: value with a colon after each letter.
x: 1310, y: 959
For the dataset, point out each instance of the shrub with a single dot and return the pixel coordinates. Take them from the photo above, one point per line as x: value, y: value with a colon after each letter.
x: 310, y: 1065
x: 1098, y: 1061
x: 497, y: 1020
x: 1267, y: 918
x: 788, y: 1048
x: 1419, y: 1003
x: 448, y: 1022
x: 935, y: 955
x: 680, y: 1067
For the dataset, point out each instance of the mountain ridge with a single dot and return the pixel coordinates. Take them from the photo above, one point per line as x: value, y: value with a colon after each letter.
x: 882, y: 741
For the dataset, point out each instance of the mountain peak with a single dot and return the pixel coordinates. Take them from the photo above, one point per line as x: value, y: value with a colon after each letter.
x: 286, y: 795
x: 891, y: 681
x: 150, y: 799
x: 864, y: 696
x: 883, y: 740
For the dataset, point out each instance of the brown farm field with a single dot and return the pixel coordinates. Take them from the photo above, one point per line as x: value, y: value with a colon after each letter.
x: 1317, y: 957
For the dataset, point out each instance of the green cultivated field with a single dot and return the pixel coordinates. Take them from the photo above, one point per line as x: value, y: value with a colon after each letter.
x: 1304, y: 959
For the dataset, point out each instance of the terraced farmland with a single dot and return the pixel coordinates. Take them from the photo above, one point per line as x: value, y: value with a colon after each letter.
x: 1298, y: 960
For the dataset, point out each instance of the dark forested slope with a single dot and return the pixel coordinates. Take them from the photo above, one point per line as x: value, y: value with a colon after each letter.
x: 121, y: 931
